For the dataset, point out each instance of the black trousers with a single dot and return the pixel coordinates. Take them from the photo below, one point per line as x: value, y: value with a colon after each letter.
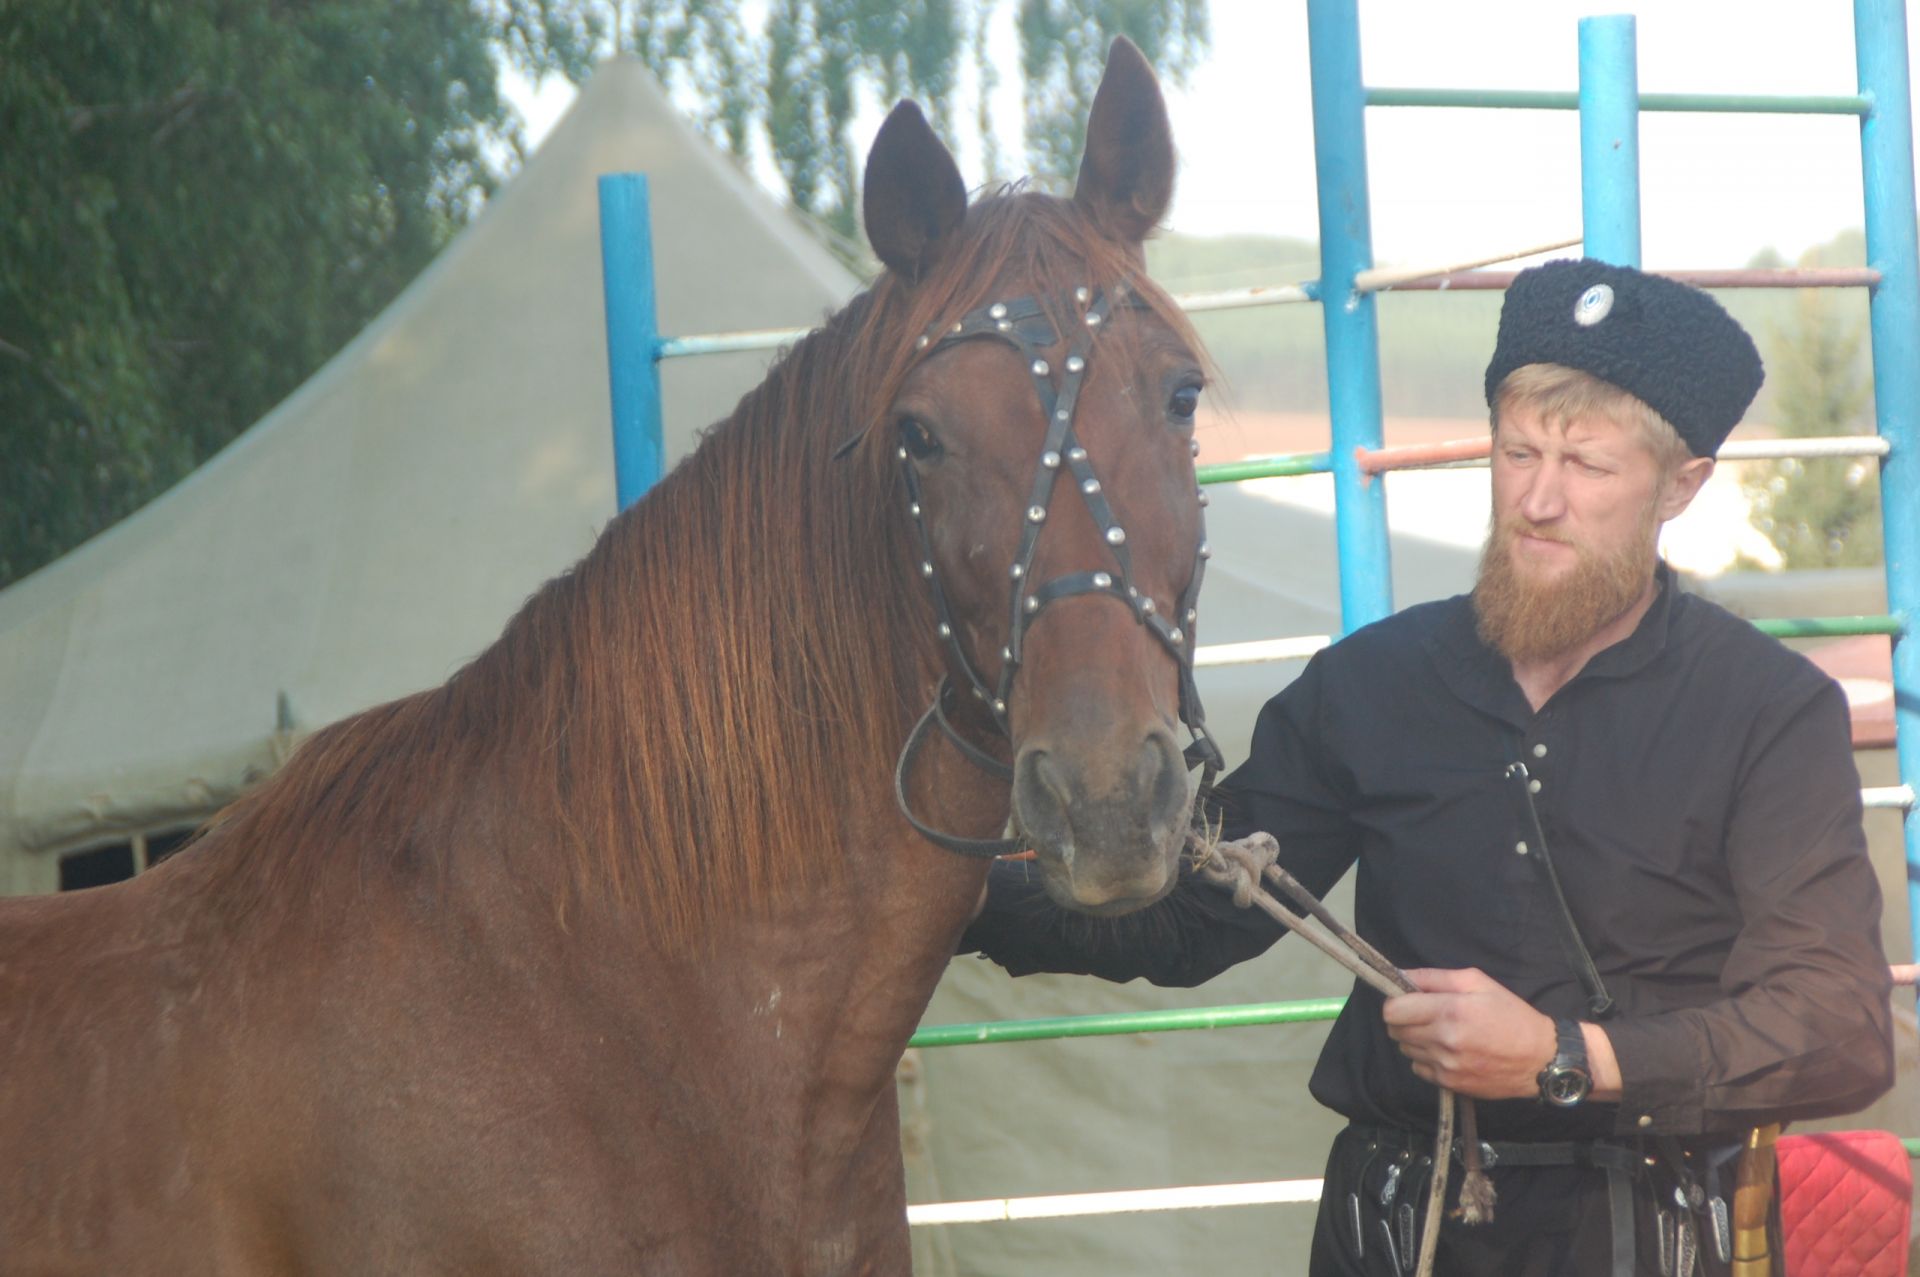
x: 1549, y: 1221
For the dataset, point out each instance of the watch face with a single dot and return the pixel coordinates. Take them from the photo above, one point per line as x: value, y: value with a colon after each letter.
x: 1564, y: 1086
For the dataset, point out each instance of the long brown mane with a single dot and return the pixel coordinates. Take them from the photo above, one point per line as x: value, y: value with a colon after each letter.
x: 687, y: 714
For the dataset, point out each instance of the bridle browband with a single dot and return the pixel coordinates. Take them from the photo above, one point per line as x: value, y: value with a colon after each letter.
x: 1023, y: 324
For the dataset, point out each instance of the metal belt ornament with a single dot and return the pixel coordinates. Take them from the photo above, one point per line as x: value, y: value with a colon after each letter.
x: 1023, y: 324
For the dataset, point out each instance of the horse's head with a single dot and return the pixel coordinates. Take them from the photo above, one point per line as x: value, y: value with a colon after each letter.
x: 1042, y: 422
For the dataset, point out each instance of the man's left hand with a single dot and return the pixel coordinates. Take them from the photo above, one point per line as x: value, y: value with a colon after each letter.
x: 1467, y: 1032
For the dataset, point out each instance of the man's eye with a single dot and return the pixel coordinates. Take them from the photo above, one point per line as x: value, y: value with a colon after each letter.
x: 1183, y: 402
x: 919, y: 441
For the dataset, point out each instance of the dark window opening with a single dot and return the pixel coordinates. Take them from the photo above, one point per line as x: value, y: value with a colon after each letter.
x: 160, y: 846
x: 96, y: 868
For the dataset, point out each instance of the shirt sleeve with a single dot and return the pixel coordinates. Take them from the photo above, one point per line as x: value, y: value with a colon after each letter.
x: 1196, y: 932
x: 1803, y: 1027
x: 1186, y: 939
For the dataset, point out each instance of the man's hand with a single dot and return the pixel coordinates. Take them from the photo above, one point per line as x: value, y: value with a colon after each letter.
x: 1237, y: 866
x: 1470, y: 1034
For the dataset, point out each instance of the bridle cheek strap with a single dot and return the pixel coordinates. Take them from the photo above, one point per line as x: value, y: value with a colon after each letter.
x: 1024, y: 325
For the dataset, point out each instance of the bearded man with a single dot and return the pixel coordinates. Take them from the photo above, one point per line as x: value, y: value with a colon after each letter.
x: 1612, y: 831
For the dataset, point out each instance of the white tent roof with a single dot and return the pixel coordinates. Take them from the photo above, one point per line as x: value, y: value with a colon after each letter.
x: 376, y: 530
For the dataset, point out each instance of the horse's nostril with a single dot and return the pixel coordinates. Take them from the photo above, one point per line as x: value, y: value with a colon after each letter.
x: 1050, y: 776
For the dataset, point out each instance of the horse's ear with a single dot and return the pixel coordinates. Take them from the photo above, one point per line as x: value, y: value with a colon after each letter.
x: 914, y: 195
x: 1126, y: 176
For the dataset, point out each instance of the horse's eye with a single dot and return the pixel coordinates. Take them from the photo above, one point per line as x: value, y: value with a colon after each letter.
x: 920, y: 443
x: 1182, y: 404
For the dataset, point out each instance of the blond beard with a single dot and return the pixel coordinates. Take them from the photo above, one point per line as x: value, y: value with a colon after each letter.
x: 1527, y: 620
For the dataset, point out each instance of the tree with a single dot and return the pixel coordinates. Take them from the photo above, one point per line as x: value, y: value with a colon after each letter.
x: 802, y: 78
x: 1820, y: 513
x: 202, y: 200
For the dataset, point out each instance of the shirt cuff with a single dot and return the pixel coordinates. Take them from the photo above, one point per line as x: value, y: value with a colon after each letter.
x: 1662, y: 1087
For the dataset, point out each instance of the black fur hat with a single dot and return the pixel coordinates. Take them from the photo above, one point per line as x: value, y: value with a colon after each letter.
x: 1665, y: 343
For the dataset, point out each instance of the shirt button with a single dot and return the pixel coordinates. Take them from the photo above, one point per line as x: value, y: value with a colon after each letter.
x: 1539, y: 751
x: 1520, y: 848
x: 1646, y: 1120
x: 1533, y: 786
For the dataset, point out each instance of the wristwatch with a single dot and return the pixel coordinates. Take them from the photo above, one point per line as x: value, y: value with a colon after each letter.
x: 1566, y: 1079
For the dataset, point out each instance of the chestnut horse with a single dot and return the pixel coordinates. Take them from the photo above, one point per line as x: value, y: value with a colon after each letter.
x: 599, y: 958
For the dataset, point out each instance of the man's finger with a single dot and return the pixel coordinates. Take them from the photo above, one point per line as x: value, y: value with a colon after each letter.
x: 1447, y: 980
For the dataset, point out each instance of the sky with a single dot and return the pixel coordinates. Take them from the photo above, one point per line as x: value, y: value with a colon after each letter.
x: 1449, y: 185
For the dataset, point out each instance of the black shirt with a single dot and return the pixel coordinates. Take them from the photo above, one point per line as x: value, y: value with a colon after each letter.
x: 1697, y: 791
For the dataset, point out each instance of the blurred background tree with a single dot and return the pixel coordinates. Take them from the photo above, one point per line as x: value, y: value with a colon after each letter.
x: 1822, y: 513
x: 201, y: 202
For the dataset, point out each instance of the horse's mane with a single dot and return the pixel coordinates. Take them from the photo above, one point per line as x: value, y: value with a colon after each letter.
x: 685, y: 717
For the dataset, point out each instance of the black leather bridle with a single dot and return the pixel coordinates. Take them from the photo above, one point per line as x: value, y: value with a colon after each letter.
x: 1023, y: 324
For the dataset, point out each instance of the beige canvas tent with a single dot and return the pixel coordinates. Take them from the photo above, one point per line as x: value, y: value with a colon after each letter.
x: 376, y: 529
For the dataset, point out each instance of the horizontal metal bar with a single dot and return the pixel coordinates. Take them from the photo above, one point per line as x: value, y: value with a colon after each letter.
x: 1830, y: 626
x: 728, y: 343
x: 1286, y: 465
x: 1569, y: 100
x: 994, y: 1210
x: 1300, y: 647
x: 776, y: 338
x: 1896, y: 797
x: 1089, y: 1026
x: 1826, y: 446
x: 1735, y: 277
x: 1260, y: 651
x: 1381, y: 279
x: 1473, y: 452
x: 1258, y: 295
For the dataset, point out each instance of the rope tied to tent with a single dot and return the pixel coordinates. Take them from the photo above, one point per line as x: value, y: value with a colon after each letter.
x: 1240, y: 867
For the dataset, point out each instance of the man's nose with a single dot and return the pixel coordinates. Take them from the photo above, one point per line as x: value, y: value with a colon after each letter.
x: 1545, y: 497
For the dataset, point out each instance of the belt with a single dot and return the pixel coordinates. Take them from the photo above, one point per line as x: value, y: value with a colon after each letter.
x: 1621, y: 1162
x: 1603, y: 1153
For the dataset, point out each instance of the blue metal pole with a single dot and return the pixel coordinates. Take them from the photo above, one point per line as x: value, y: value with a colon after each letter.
x: 633, y: 334
x: 1610, y: 139
x: 1886, y: 160
x: 1353, y: 340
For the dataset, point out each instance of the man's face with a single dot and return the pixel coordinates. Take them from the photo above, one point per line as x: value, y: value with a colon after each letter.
x: 1576, y: 518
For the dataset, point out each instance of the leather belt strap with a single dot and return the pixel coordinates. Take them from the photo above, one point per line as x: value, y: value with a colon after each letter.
x: 1620, y: 1211
x: 1611, y: 1157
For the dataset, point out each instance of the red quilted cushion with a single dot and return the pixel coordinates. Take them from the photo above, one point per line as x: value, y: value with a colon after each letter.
x: 1845, y: 1198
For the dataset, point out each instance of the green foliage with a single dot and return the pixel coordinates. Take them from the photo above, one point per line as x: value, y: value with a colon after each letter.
x: 1820, y: 513
x: 200, y: 202
x: 1062, y: 48
x: 804, y: 76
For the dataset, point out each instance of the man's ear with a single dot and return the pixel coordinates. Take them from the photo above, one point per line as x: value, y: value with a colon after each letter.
x: 1683, y: 485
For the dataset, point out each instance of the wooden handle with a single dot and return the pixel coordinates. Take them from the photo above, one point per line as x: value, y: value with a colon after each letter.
x: 1753, y: 1202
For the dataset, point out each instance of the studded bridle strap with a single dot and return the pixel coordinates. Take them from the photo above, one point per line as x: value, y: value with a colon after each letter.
x: 1024, y: 325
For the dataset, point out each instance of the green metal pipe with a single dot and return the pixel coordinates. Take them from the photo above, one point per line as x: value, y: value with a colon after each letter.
x: 1830, y: 626
x: 1567, y: 100
x: 1091, y: 1026
x: 1284, y: 466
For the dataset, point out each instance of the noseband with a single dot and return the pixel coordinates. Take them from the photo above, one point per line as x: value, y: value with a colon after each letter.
x: 1024, y: 325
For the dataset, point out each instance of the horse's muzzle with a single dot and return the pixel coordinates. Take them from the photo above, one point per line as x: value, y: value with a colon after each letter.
x: 1108, y: 832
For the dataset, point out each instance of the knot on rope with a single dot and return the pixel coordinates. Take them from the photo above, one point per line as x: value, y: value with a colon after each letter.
x: 1236, y: 866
